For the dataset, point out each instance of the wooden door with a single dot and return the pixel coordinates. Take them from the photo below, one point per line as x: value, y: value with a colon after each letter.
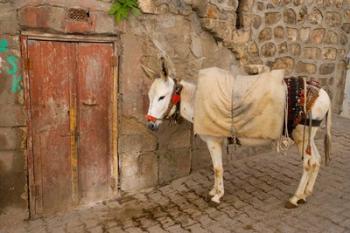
x: 94, y: 86
x: 70, y: 90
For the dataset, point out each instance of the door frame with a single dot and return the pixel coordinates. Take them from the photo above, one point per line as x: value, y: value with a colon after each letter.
x: 113, y: 116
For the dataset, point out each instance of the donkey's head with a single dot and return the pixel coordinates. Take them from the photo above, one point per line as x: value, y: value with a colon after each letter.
x: 163, y: 95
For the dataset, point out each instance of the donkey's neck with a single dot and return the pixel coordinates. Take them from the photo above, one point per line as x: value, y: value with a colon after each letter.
x: 187, y: 100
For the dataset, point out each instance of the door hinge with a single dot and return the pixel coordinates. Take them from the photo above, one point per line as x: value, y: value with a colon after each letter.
x: 114, y: 60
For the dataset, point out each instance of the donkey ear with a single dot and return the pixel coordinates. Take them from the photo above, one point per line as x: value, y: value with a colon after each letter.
x: 164, y: 68
x: 149, y: 72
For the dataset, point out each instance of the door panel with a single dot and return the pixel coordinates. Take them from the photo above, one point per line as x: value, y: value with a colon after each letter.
x: 70, y: 87
x: 94, y: 85
x: 50, y: 77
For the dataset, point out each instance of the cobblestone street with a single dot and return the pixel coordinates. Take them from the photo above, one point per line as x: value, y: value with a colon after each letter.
x: 256, y: 190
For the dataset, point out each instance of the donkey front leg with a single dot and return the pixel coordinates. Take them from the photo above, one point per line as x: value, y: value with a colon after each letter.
x: 215, y: 148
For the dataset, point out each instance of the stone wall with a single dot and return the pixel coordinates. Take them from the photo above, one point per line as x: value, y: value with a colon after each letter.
x: 306, y: 37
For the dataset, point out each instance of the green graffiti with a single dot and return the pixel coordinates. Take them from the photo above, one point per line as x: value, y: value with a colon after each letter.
x: 12, y: 60
x: 3, y: 45
x: 13, y: 67
x: 16, y: 83
x: 16, y: 80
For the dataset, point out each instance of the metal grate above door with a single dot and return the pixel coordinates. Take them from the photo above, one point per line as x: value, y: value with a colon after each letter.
x: 78, y: 14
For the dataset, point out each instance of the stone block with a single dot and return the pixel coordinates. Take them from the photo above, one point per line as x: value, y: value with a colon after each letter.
x: 346, y: 27
x: 347, y: 16
x: 333, y: 19
x: 315, y: 16
x: 55, y: 18
x: 272, y: 18
x: 343, y: 38
x: 295, y: 49
x: 196, y: 45
x: 341, y: 53
x: 138, y: 171
x: 12, y: 138
x: 136, y: 143
x: 276, y: 2
x: 257, y: 21
x: 7, y: 97
x: 253, y: 49
x: 311, y: 53
x: 289, y: 16
x: 306, y: 68
x: 85, y: 27
x: 265, y: 34
x: 292, y: 34
x: 8, y: 21
x: 331, y: 37
x: 326, y: 68
x: 35, y: 16
x: 132, y: 80
x: 268, y: 49
x: 147, y: 6
x: 329, y: 53
x: 298, y: 2
x: 283, y: 48
x: 279, y: 33
x: 260, y: 6
x: 240, y: 36
x: 302, y: 14
x: 304, y: 34
x: 333, y: 3
x: 212, y: 12
x: 286, y: 63
x: 200, y: 159
x: 104, y: 23
x: 12, y: 179
x: 173, y: 164
x: 12, y: 115
x: 316, y: 35
x: 174, y: 136
x: 246, y: 5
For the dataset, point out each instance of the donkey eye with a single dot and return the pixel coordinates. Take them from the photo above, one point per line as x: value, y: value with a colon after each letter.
x: 160, y: 98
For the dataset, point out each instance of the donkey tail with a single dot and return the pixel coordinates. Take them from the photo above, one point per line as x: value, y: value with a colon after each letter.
x: 328, y: 137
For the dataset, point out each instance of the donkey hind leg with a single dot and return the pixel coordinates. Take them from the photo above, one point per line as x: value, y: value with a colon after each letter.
x: 311, y: 165
x: 215, y: 148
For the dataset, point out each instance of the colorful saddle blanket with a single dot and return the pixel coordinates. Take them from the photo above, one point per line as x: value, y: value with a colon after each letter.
x: 297, y: 107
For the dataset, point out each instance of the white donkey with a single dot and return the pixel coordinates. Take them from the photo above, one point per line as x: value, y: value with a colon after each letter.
x: 165, y: 96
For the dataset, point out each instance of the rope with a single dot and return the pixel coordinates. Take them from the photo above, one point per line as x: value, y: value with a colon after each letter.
x: 305, y: 111
x: 284, y: 142
x: 232, y: 127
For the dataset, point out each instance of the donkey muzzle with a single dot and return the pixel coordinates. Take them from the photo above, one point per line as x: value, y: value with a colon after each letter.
x: 152, y: 126
x: 151, y: 123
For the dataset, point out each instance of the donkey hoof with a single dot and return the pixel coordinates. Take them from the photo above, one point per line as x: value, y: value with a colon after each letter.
x: 290, y: 205
x: 216, y: 199
x: 301, y: 201
x: 212, y: 192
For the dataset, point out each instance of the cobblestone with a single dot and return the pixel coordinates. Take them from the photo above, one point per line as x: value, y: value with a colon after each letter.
x: 256, y: 189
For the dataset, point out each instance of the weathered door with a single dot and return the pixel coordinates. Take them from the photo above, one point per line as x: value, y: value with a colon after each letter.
x: 70, y: 90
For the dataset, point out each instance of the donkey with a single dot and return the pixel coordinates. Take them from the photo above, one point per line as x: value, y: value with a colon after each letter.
x: 168, y: 98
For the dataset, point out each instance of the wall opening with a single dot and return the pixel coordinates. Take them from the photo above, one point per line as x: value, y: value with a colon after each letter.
x: 239, y: 15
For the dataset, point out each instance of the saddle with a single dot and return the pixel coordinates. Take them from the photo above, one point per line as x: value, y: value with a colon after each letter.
x: 300, y: 103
